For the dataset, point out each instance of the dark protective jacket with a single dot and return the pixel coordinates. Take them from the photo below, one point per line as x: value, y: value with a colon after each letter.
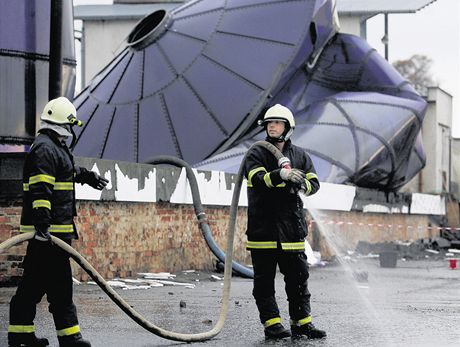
x: 49, y: 178
x: 275, y: 210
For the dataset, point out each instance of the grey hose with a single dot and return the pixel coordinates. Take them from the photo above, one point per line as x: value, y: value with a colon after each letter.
x: 199, y: 211
x: 125, y: 307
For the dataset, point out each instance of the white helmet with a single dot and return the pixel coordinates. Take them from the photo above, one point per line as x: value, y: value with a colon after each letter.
x: 60, y: 111
x: 280, y: 113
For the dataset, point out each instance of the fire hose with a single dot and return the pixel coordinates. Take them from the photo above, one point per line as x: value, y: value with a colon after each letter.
x: 229, y: 265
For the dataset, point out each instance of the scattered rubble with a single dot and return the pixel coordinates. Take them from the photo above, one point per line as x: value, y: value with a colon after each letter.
x: 148, y: 280
x: 437, y: 248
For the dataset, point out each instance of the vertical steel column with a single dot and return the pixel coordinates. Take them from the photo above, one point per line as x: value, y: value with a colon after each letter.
x: 30, y: 73
x: 55, y: 63
x: 386, y: 36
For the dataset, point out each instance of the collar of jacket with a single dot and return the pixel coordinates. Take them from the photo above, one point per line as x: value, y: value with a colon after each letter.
x: 287, y: 143
x: 57, y: 139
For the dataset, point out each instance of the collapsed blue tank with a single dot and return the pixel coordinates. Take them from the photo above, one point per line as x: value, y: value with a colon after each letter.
x: 194, y: 81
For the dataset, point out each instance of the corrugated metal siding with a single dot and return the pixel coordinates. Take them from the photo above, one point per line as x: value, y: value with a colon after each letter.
x: 118, y: 11
x: 381, y: 6
x: 128, y: 11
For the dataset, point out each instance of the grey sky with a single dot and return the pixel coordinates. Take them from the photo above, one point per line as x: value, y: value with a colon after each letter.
x: 433, y: 31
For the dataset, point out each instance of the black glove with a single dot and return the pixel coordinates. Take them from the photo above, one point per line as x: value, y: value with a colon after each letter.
x: 42, y: 234
x: 90, y: 177
x: 96, y: 181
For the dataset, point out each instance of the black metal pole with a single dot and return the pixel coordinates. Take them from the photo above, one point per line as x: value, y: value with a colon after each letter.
x: 30, y: 78
x: 386, y: 36
x: 55, y: 64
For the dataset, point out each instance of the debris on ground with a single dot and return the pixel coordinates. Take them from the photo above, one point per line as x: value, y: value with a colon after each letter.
x: 148, y: 280
x: 361, y: 276
x: 437, y: 248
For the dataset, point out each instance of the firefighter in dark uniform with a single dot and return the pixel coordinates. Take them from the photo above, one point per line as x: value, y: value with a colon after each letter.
x: 277, y: 228
x: 49, y: 178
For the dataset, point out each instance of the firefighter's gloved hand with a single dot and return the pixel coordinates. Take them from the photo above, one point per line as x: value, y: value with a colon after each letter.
x: 96, y: 181
x: 302, y: 188
x: 90, y: 177
x: 42, y: 234
x: 294, y: 175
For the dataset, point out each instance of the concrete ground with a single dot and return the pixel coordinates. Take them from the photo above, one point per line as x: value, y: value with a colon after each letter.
x: 415, y: 304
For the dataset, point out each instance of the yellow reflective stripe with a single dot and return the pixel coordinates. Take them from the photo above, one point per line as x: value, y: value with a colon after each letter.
x: 54, y: 228
x: 68, y: 331
x: 60, y: 228
x: 41, y: 203
x: 63, y: 186
x: 26, y: 228
x: 281, y: 185
x: 21, y: 328
x: 302, y: 321
x: 308, y: 187
x: 311, y: 175
x: 292, y: 245
x: 272, y: 321
x: 261, y: 244
x: 57, y: 186
x: 42, y: 178
x: 253, y: 172
x: 268, y: 181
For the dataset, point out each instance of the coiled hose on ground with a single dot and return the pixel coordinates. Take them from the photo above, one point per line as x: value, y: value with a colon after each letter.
x: 125, y: 307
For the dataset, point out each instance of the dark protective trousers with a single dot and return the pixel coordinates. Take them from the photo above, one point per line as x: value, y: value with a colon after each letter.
x: 46, y: 271
x: 294, y: 267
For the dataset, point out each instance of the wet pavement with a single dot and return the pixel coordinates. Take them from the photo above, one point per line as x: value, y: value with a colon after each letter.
x: 415, y: 304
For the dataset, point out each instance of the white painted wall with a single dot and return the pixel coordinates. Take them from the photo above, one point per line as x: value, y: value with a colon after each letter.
x: 436, y: 133
x: 436, y: 126
x: 104, y: 40
x: 214, y: 191
x: 350, y: 25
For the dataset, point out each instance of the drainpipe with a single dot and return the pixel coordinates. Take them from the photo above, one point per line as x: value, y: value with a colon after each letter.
x: 385, y: 38
x: 55, y: 62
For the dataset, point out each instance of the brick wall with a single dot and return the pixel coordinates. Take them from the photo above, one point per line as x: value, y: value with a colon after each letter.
x: 10, y: 266
x: 122, y: 238
x: 339, y: 232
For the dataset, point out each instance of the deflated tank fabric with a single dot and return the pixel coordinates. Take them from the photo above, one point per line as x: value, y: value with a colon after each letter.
x: 193, y: 81
x: 356, y: 116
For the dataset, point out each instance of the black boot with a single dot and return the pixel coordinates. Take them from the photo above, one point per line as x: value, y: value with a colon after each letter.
x: 308, y: 330
x: 26, y: 340
x: 276, y: 331
x: 73, y: 341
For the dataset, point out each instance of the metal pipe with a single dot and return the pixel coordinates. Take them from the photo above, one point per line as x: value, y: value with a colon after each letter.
x: 386, y: 36
x: 55, y: 60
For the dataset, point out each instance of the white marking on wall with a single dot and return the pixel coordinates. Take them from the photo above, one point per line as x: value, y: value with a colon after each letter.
x: 128, y: 188
x: 108, y: 176
x: 213, y: 191
x: 331, y: 196
x: 85, y: 191
x: 377, y: 208
x: 428, y: 204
